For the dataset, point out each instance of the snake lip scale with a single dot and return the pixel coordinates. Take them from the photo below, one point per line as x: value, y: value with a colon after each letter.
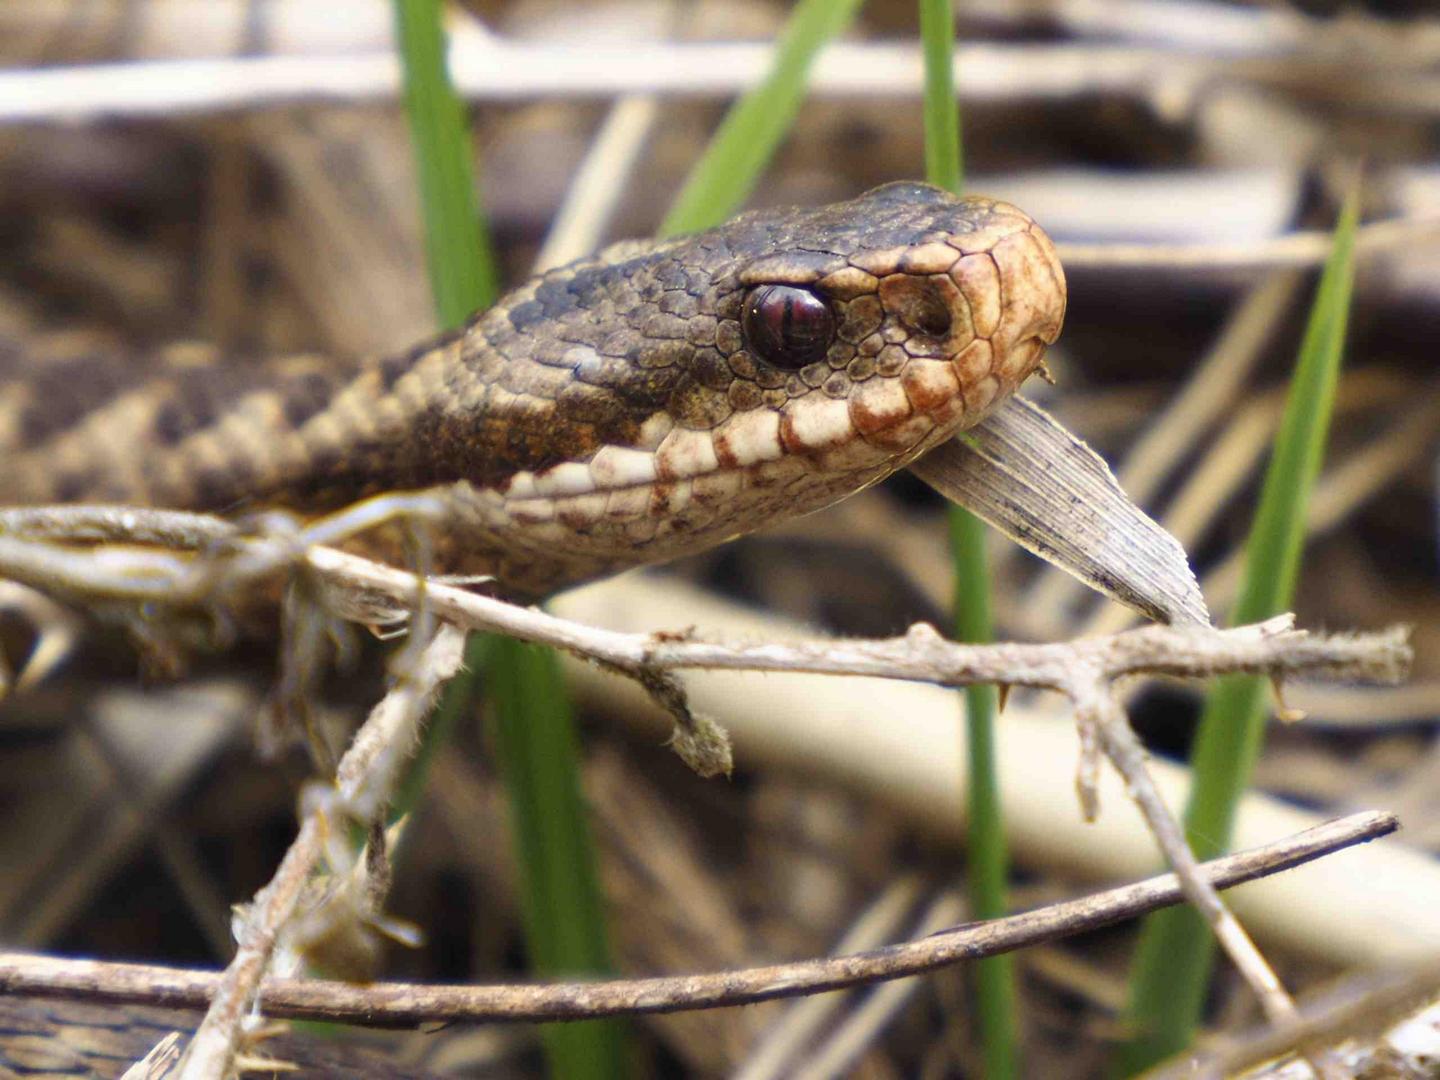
x: 644, y: 403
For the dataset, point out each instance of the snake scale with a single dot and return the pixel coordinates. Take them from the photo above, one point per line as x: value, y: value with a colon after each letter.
x: 648, y: 402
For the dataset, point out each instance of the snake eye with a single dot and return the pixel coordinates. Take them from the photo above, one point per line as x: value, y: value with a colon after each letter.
x: 786, y: 326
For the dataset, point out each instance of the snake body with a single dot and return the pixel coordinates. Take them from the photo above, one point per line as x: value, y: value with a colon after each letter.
x: 647, y: 402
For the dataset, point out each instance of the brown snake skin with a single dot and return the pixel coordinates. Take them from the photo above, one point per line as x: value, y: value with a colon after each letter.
x: 613, y: 412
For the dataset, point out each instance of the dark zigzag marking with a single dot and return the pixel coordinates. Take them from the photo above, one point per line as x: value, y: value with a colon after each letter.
x: 63, y: 391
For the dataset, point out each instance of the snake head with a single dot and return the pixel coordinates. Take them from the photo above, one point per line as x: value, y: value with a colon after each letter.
x: 684, y: 392
x: 889, y: 322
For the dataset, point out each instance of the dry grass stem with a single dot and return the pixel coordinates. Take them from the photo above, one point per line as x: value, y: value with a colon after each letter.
x: 863, y: 1027
x: 1105, y: 714
x: 362, y: 789
x: 393, y: 1004
x: 1342, y: 1020
x: 595, y: 192
x: 1292, y: 250
x: 773, y: 1054
x: 487, y: 67
x: 496, y: 69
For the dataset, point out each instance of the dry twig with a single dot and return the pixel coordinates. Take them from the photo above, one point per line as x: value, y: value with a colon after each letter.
x: 1345, y: 1018
x: 393, y: 1004
x: 1084, y: 671
x: 363, y: 784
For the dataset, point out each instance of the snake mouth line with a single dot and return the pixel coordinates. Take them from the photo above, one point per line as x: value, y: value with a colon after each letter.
x: 692, y: 479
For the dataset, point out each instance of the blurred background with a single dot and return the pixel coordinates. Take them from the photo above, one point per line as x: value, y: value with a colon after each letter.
x: 1187, y: 156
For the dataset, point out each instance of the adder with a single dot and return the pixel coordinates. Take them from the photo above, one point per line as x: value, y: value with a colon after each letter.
x: 648, y: 402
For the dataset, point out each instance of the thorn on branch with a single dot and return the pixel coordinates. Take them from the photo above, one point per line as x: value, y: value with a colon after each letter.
x: 1284, y: 712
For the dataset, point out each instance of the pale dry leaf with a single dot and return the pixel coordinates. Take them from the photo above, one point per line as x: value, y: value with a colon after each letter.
x: 1022, y: 472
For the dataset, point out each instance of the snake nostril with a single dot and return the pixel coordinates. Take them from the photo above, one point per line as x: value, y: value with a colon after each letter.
x: 933, y: 319
x: 918, y: 303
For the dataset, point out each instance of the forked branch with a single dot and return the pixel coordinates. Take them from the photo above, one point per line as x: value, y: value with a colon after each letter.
x: 39, y: 553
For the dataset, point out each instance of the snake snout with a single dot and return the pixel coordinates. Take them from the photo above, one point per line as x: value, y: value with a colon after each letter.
x: 1013, y: 291
x: 961, y: 315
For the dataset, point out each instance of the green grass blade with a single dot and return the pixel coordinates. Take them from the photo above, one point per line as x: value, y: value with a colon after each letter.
x: 1173, y: 960
x: 564, y: 915
x: 996, y: 999
x: 988, y: 866
x: 752, y: 129
x: 462, y: 267
x: 944, y: 159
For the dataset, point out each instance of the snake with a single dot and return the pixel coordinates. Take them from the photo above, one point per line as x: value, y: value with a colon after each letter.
x: 631, y: 407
